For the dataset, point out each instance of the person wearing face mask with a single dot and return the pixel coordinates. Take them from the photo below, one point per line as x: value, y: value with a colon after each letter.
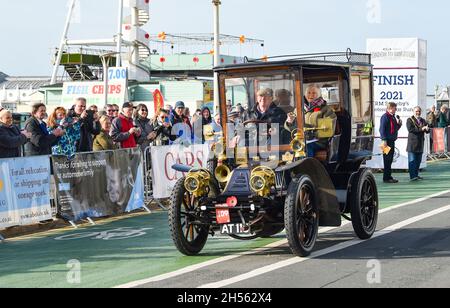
x: 123, y: 129
x: 417, y: 128
x: 41, y: 140
x: 11, y: 138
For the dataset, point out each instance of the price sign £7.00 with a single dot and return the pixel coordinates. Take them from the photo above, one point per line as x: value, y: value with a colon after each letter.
x: 117, y: 73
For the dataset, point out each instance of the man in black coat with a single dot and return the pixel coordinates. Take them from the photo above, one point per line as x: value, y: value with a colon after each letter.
x: 266, y: 111
x: 11, y: 139
x: 41, y: 140
x: 90, y: 125
x: 417, y: 128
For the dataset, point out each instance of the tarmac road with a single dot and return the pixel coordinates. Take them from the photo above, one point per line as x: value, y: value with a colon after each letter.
x: 138, y: 251
x: 412, y: 249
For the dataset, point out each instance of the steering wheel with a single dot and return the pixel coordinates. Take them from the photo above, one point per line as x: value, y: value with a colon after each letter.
x: 254, y: 122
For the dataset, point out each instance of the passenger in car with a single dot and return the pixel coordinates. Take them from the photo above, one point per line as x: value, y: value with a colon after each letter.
x: 315, y: 108
x: 283, y: 99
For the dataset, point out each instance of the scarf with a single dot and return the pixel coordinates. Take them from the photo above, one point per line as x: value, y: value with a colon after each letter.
x: 392, y: 122
x: 316, y: 105
x: 43, y: 128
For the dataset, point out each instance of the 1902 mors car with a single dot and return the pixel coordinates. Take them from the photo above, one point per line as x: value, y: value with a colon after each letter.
x: 261, y: 180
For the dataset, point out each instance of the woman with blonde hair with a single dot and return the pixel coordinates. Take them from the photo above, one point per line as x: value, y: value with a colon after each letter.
x: 104, y: 141
x: 66, y: 144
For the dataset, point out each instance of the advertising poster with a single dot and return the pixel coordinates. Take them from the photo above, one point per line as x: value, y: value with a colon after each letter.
x: 99, y: 184
x: 163, y: 158
x: 24, y: 191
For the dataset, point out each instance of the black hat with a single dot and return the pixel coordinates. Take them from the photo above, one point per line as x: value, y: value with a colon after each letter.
x: 127, y: 105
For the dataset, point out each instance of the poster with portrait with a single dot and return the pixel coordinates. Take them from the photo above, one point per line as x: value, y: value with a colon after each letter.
x: 99, y: 184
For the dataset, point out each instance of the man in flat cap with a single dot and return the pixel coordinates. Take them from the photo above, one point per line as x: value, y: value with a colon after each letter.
x: 265, y: 109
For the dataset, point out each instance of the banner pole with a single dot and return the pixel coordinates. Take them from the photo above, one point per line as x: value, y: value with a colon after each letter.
x: 2, y: 239
x: 91, y: 221
x: 147, y: 209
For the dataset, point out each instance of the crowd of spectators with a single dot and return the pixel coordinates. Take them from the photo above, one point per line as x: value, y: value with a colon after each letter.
x: 86, y: 129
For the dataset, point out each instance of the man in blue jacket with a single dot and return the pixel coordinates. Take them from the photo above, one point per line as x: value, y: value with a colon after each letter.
x: 389, y: 127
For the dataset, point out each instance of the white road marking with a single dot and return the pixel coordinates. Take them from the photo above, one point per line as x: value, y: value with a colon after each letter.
x: 341, y: 246
x: 195, y: 267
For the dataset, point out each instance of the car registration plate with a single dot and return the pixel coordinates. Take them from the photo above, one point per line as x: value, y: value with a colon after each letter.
x: 234, y: 229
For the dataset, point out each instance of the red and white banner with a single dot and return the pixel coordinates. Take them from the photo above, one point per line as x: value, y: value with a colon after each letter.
x: 94, y: 91
x: 163, y: 158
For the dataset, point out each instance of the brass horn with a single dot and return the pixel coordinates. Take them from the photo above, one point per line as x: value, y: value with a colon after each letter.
x: 222, y: 174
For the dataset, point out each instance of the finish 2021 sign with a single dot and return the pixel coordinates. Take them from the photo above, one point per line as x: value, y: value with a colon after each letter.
x: 400, y: 76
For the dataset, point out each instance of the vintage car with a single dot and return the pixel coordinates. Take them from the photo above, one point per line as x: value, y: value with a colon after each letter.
x: 254, y: 189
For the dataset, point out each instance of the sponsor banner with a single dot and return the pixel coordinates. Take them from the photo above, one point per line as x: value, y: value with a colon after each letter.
x: 24, y: 191
x: 94, y: 91
x: 398, y: 52
x: 163, y: 158
x: 99, y: 184
x: 439, y: 141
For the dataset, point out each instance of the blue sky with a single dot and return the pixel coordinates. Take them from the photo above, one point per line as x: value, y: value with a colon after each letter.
x: 31, y: 29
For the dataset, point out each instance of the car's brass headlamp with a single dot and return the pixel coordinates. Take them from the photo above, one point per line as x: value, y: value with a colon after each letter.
x: 262, y: 180
x: 197, y: 182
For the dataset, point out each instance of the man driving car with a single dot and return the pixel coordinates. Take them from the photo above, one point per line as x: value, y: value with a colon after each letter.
x: 265, y: 110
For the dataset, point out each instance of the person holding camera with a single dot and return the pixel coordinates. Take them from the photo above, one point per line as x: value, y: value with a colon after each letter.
x: 123, y: 129
x: 89, y: 125
x: 417, y: 128
x: 66, y: 145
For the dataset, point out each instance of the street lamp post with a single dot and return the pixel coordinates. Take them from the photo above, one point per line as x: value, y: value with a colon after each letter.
x: 216, y: 4
x: 119, y: 35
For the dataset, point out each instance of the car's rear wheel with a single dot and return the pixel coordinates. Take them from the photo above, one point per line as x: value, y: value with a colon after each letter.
x: 364, y: 204
x: 188, y: 236
x: 301, y: 216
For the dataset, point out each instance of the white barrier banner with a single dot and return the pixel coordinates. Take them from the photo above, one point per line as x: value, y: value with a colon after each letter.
x: 163, y: 158
x: 24, y: 191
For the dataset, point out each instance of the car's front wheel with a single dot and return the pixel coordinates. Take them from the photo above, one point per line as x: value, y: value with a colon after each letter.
x: 301, y: 216
x: 364, y: 204
x: 189, y: 237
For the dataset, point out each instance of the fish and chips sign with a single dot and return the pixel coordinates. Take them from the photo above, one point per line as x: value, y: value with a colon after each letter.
x: 94, y: 91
